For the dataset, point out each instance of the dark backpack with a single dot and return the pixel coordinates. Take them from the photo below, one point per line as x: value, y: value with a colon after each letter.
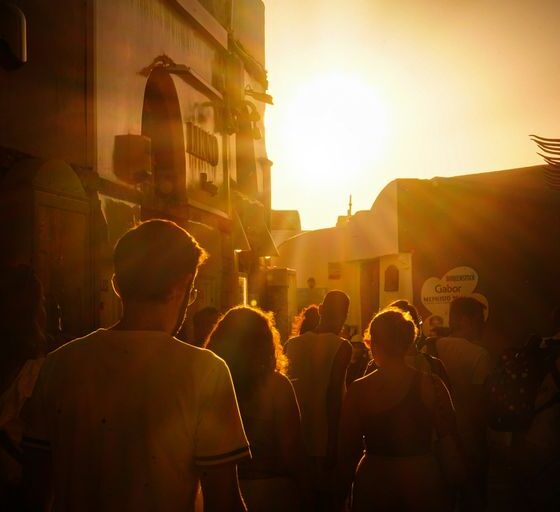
x: 511, y: 388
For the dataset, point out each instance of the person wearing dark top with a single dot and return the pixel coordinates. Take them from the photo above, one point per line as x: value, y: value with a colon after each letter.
x: 394, y: 413
x: 273, y: 480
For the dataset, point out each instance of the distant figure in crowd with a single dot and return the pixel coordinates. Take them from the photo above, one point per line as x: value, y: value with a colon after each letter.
x: 361, y: 355
x: 467, y: 364
x: 204, y: 321
x: 317, y: 367
x: 396, y: 410
x: 359, y: 361
x: 437, y: 327
x: 22, y: 350
x: 307, y: 320
x: 347, y: 331
x: 248, y: 341
x: 427, y: 363
x: 130, y: 418
x: 312, y: 294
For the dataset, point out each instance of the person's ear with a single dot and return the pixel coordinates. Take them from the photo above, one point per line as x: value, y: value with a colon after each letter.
x: 115, y: 286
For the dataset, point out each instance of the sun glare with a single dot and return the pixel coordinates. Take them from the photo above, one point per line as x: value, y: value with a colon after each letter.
x: 331, y: 130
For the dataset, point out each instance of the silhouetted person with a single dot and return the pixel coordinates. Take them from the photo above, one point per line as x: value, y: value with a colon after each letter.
x: 421, y: 361
x: 435, y: 323
x: 312, y: 295
x: 359, y: 361
x: 22, y: 350
x: 397, y: 410
x: 467, y: 364
x: 130, y: 418
x: 247, y: 339
x: 204, y: 321
x: 317, y: 367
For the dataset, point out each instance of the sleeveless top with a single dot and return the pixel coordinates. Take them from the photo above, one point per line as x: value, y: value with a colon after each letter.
x: 311, y: 358
x: 403, y: 430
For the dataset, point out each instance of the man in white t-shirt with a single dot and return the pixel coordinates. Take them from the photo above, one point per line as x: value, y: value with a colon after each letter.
x: 131, y: 418
x: 467, y: 365
x: 318, y: 361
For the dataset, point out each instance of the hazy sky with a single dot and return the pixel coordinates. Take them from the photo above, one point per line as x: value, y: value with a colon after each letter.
x: 367, y: 91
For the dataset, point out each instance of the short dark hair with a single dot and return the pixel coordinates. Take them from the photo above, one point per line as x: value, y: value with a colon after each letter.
x: 152, y: 257
x: 336, y: 302
x: 464, y: 307
x: 393, y: 330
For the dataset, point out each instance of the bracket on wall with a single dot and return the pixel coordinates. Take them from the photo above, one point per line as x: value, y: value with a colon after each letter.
x: 186, y: 73
x: 207, y: 185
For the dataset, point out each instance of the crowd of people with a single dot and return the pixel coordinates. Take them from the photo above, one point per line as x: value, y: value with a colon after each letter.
x: 131, y: 418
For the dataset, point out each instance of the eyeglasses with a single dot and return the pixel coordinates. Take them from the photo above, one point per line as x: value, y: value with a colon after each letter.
x: 193, y: 295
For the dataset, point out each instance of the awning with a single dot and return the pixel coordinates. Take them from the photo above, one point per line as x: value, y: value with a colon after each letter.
x: 252, y: 218
x: 261, y: 240
x: 240, y: 241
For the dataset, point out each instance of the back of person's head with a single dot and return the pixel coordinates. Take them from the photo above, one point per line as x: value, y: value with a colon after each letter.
x: 152, y: 258
x: 204, y: 321
x: 392, y: 331
x: 307, y: 320
x: 22, y: 314
x: 466, y: 313
x: 409, y: 308
x: 247, y: 339
x: 334, y: 310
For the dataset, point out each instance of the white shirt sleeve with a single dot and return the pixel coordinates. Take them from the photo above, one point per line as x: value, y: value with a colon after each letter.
x: 219, y: 437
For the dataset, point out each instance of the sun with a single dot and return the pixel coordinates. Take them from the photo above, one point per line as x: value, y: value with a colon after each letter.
x: 331, y: 128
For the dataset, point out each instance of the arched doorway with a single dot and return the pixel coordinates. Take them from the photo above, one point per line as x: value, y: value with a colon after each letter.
x: 162, y: 123
x: 45, y: 221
